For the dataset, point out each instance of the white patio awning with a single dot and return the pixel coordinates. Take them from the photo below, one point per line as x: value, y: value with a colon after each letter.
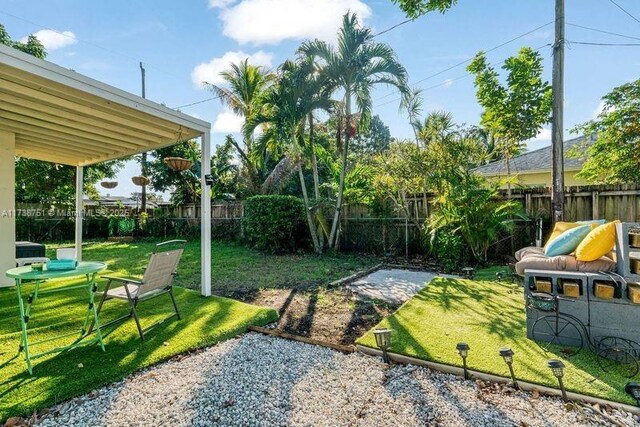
x: 50, y: 113
x: 64, y: 117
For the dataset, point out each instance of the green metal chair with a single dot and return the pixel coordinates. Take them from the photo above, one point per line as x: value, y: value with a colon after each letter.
x: 157, y: 280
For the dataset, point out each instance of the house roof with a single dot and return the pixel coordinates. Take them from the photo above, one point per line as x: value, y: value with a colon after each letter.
x: 61, y: 116
x: 534, y: 161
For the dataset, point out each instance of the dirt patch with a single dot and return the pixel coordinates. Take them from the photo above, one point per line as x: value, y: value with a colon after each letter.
x: 332, y: 315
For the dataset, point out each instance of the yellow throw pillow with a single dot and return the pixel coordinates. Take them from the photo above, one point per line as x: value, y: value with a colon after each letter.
x: 598, y: 243
x: 559, y: 228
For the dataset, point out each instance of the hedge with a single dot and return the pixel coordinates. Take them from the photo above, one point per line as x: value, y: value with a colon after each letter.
x: 275, y: 223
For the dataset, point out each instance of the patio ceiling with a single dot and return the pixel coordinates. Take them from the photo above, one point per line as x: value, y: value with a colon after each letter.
x: 60, y: 116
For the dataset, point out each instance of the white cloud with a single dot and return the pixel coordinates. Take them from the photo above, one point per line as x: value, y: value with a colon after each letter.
x: 272, y: 21
x: 598, y: 110
x: 447, y: 83
x: 228, y: 122
x: 53, y: 40
x: 220, y: 3
x: 210, y: 71
x: 543, y: 135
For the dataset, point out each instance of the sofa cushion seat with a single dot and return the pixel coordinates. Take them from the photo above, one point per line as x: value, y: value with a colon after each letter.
x: 533, y: 258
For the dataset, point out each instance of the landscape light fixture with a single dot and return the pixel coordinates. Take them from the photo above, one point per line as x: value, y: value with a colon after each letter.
x: 469, y: 272
x: 507, y: 355
x: 463, y: 351
x: 557, y: 367
x: 383, y: 341
x: 633, y: 388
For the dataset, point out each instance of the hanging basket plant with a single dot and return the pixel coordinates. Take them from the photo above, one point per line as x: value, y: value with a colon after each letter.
x: 141, y: 180
x: 109, y: 184
x: 178, y: 164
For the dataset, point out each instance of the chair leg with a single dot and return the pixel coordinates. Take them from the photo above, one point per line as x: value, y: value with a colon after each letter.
x: 136, y: 318
x: 173, y: 300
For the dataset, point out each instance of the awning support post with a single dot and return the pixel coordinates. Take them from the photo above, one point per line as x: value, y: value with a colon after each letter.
x: 205, y: 217
x: 78, y: 211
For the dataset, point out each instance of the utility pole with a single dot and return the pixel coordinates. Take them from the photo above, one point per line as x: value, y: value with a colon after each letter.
x: 557, y: 137
x: 143, y: 163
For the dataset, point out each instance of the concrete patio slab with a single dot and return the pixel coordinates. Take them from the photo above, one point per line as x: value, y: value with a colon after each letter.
x: 394, y: 286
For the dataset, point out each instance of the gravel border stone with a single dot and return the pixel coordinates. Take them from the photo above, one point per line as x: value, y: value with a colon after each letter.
x: 259, y: 380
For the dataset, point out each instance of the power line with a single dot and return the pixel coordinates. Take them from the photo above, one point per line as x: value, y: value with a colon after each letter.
x: 197, y: 102
x: 611, y: 33
x: 470, y: 59
x: 393, y: 27
x: 602, y: 44
x: 625, y: 11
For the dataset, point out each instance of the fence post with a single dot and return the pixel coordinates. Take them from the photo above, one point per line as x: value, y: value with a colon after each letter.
x: 406, y: 237
x: 594, y: 204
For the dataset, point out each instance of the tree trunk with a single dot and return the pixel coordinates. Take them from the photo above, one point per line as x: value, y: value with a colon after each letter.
x: 507, y: 158
x: 316, y: 179
x: 336, y: 218
x: 312, y: 225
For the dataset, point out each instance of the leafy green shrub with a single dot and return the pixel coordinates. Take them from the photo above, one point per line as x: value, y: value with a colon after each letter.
x: 449, y: 250
x: 275, y: 223
x: 121, y: 226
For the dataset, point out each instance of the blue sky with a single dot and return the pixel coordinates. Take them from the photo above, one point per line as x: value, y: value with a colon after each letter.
x: 182, y: 42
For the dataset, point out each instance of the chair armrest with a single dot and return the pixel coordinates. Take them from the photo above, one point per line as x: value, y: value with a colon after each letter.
x: 123, y: 279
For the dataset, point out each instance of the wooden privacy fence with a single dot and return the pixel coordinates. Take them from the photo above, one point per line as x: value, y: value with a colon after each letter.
x: 363, y: 231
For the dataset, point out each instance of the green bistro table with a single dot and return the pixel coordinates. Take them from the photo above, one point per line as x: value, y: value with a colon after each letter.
x: 36, y: 278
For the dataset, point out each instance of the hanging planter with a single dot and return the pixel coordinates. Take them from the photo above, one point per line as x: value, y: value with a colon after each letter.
x: 109, y: 184
x: 178, y: 164
x: 141, y: 180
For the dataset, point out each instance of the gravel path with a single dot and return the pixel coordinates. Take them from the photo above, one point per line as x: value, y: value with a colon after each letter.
x: 264, y: 381
x: 394, y: 286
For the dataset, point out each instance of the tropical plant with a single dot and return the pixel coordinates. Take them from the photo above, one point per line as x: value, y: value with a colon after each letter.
x: 472, y: 210
x: 612, y: 158
x: 374, y: 140
x: 437, y: 127
x: 298, y: 92
x: 515, y: 112
x: 355, y: 66
x: 413, y: 105
x: 243, y: 93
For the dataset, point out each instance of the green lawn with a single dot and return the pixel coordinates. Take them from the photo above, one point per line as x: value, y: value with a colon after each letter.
x: 235, y: 268
x: 58, y: 377
x: 487, y: 315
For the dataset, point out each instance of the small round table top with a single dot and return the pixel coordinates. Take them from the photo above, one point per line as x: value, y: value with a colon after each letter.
x: 26, y: 273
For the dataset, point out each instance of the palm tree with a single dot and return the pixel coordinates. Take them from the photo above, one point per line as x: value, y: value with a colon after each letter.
x: 437, y: 127
x: 297, y: 92
x: 354, y: 66
x: 413, y: 104
x: 243, y: 94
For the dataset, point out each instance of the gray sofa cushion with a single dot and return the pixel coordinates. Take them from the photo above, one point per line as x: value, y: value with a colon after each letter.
x: 533, y: 258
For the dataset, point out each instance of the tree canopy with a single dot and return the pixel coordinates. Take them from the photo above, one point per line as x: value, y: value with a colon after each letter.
x: 416, y: 8
x: 613, y: 157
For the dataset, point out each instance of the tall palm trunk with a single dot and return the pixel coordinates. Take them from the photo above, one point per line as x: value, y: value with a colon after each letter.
x: 310, y: 222
x: 333, y: 238
x: 316, y: 179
